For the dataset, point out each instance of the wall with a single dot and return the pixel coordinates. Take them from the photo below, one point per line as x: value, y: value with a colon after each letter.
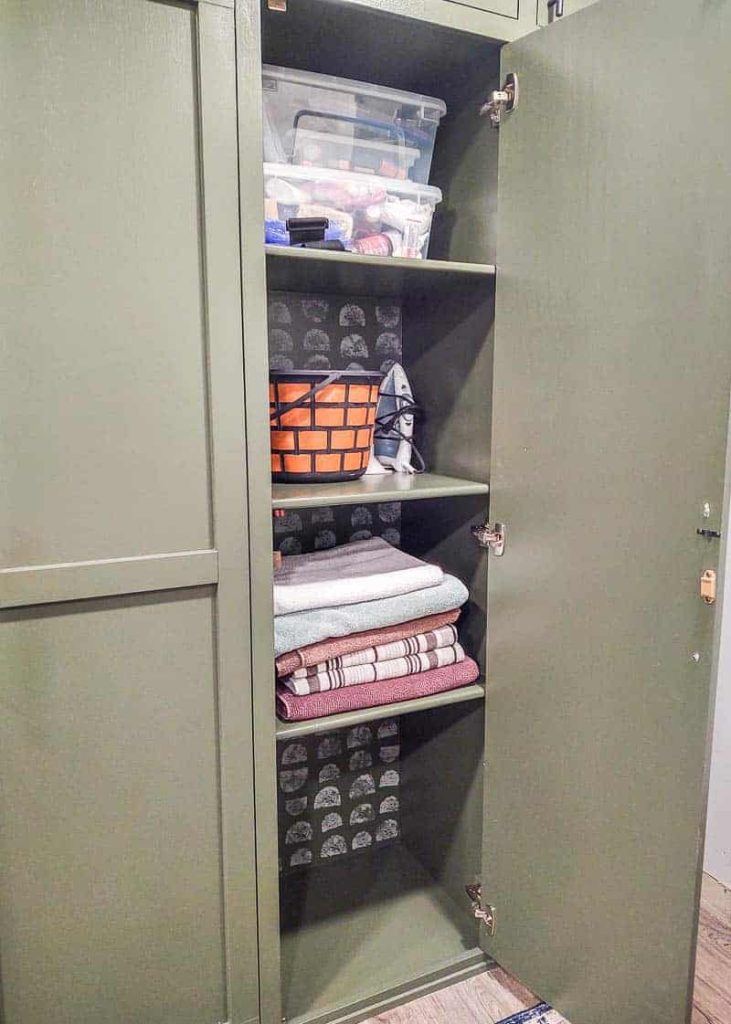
x: 718, y: 834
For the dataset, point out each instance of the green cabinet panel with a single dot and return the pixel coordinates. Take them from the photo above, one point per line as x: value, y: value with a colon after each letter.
x: 127, y: 885
x: 612, y: 375
x: 506, y: 8
x: 569, y: 7
x: 106, y: 450
x: 111, y: 882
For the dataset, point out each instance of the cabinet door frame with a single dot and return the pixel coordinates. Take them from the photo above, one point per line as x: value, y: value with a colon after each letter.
x: 598, y: 713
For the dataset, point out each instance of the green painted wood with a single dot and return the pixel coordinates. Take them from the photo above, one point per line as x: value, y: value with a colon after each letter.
x: 356, y: 928
x: 288, y: 730
x: 461, y: 968
x: 44, y: 584
x: 393, y: 487
x: 341, y: 273
x: 611, y: 403
x: 105, y: 452
x: 110, y: 902
x: 216, y: 50
x: 569, y: 7
x: 256, y: 376
x: 128, y: 884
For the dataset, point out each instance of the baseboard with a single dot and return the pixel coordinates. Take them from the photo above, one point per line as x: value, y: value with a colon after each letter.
x: 458, y: 969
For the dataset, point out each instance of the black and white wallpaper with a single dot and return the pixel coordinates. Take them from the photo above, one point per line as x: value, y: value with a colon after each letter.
x: 338, y: 793
x: 330, y: 332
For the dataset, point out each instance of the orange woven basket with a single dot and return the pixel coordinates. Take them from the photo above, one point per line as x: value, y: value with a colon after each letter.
x: 321, y: 423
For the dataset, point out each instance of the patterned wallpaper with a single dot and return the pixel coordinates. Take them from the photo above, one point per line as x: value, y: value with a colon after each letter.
x: 338, y: 793
x: 322, y: 332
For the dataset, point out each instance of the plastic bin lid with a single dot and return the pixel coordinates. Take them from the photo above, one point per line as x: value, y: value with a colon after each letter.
x: 394, y: 186
x: 312, y: 79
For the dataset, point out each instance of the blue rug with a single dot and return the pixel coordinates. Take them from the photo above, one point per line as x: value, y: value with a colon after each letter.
x: 541, y: 1014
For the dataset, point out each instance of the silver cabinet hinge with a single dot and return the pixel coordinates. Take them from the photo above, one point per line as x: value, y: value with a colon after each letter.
x: 501, y: 101
x: 494, y: 538
x: 482, y: 911
x: 555, y: 9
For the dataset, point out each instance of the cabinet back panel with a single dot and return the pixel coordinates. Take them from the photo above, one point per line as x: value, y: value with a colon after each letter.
x: 106, y: 422
x: 111, y: 877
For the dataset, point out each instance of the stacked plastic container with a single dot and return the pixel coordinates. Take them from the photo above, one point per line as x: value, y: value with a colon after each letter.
x: 356, y: 154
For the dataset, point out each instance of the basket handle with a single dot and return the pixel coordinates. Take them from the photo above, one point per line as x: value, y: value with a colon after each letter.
x: 281, y: 410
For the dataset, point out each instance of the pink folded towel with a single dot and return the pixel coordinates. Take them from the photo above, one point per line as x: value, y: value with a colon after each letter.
x: 292, y: 708
x: 305, y: 657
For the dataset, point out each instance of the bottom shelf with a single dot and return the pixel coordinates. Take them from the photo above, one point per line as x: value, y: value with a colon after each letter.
x: 366, y: 926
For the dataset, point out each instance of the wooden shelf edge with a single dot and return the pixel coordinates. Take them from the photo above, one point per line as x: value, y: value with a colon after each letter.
x: 314, y: 726
x: 375, y: 489
x: 427, y: 267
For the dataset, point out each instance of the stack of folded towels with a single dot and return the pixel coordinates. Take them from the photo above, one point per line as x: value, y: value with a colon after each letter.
x: 363, y: 625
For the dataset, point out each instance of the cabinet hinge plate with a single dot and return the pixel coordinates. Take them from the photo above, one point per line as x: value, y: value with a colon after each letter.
x: 501, y: 101
x: 484, y: 912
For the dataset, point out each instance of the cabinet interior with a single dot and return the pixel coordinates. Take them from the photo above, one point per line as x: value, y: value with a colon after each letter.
x: 382, y: 918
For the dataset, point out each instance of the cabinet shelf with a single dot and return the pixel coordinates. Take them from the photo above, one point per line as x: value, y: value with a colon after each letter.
x: 289, y: 730
x: 345, y: 273
x: 394, y: 487
x: 368, y: 926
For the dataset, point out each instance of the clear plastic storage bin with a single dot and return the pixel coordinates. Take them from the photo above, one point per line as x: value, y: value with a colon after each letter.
x: 315, y: 120
x: 372, y: 215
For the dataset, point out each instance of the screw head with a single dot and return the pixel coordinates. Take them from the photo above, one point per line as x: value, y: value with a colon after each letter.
x: 706, y: 510
x: 695, y: 657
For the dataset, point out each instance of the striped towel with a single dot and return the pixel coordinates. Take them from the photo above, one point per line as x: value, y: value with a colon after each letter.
x: 408, y: 665
x: 428, y: 641
x: 328, y: 650
x: 292, y: 708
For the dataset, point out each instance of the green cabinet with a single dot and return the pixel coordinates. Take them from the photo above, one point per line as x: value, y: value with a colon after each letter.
x: 586, y: 384
x: 124, y: 657
x: 573, y: 369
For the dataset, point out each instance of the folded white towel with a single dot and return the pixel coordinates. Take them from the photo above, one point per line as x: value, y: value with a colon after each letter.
x: 364, y: 570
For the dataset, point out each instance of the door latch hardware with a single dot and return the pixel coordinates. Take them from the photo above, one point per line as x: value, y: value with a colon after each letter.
x: 277, y: 5
x: 485, y: 913
x: 555, y: 9
x: 501, y: 101
x: 708, y: 586
x: 709, y: 534
x: 492, y: 537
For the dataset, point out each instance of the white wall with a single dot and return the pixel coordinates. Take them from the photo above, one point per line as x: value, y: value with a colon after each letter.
x: 718, y: 833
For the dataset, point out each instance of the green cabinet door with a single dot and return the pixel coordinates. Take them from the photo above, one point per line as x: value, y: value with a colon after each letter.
x: 127, y: 887
x: 612, y: 376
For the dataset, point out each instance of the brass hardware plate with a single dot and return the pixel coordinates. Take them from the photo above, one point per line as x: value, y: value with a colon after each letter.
x: 494, y: 538
x: 277, y: 5
x: 708, y: 586
x: 483, y: 912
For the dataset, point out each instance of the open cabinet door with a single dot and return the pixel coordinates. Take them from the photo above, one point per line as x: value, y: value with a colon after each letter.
x: 613, y: 364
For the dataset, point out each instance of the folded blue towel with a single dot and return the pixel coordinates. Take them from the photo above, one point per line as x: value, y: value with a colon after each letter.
x: 298, y: 629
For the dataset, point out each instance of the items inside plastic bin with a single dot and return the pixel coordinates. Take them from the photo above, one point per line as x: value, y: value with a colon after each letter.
x: 352, y: 154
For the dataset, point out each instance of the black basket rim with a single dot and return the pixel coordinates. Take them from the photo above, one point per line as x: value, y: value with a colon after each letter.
x: 312, y: 376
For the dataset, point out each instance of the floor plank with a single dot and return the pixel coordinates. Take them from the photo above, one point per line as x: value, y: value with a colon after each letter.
x: 489, y: 998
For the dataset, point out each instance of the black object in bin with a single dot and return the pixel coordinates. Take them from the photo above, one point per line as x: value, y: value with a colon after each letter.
x: 310, y: 233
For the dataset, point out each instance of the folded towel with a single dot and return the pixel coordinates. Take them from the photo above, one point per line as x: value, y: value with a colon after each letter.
x: 409, y: 665
x: 336, y: 647
x: 364, y: 570
x: 431, y: 641
x: 292, y: 708
x: 309, y: 627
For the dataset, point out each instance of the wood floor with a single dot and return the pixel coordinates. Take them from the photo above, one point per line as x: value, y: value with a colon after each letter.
x: 489, y: 998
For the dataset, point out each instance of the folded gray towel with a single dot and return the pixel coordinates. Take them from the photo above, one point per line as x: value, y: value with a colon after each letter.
x: 298, y: 629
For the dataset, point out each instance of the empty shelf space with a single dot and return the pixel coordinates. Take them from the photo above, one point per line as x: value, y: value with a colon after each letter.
x: 344, y: 273
x: 288, y: 730
x: 363, y: 926
x: 394, y: 487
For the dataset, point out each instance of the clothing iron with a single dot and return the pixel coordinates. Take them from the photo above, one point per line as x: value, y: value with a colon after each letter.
x: 393, y: 446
